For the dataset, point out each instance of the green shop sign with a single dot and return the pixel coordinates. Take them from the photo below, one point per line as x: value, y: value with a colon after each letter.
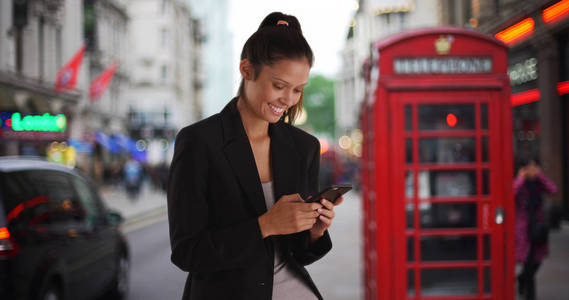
x: 45, y: 122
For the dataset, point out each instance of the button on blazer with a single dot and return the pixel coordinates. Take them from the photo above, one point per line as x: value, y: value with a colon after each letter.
x: 215, y: 197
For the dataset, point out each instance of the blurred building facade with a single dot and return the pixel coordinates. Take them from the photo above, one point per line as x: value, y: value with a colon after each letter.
x: 36, y: 38
x: 218, y: 64
x: 156, y: 88
x: 539, y: 71
x: 166, y: 83
x: 105, y: 24
x: 374, y: 20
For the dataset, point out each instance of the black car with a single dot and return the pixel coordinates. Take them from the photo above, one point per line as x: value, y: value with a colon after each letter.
x: 57, y: 240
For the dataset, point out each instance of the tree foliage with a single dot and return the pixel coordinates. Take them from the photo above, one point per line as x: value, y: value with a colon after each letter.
x: 319, y: 105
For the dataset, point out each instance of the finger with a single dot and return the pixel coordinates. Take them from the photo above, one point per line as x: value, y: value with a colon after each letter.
x: 313, y: 214
x: 296, y: 198
x: 329, y: 205
x: 306, y: 207
x: 292, y: 198
x: 327, y: 213
x: 325, y: 220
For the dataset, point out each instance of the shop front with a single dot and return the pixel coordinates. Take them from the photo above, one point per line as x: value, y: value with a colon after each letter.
x: 33, y: 117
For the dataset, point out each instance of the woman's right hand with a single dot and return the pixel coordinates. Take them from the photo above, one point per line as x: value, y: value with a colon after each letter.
x: 522, y: 173
x: 289, y: 215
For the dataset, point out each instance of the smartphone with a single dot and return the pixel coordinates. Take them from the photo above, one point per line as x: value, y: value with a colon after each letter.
x: 331, y: 193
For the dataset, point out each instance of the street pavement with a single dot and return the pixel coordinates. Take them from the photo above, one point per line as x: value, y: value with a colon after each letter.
x: 152, y: 275
x: 338, y: 275
x: 148, y: 200
x: 553, y: 277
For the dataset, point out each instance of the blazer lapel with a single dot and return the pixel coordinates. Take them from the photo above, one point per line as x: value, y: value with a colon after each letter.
x: 284, y: 161
x: 237, y: 149
x: 238, y: 152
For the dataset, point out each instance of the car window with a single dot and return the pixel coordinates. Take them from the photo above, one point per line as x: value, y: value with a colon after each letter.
x: 64, y: 201
x: 40, y: 197
x: 22, y: 199
x: 87, y: 197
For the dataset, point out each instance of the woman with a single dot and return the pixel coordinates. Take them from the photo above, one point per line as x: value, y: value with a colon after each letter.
x: 228, y: 170
x: 531, y: 230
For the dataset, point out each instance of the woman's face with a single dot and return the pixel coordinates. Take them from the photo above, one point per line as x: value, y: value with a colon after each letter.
x: 276, y: 88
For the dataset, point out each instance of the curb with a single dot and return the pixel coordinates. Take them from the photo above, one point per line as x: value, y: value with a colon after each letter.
x: 144, y: 219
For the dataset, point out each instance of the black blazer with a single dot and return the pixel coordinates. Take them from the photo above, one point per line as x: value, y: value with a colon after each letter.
x: 214, y: 200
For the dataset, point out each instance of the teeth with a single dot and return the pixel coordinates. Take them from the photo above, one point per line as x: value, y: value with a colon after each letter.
x: 276, y: 109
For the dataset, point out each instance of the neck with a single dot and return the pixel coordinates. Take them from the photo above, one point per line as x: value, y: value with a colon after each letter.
x: 254, y: 127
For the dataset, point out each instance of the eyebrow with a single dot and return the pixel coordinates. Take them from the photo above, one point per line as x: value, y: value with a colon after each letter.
x: 276, y: 78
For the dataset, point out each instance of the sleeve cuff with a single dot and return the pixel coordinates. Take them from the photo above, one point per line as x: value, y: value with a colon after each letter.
x: 322, y: 245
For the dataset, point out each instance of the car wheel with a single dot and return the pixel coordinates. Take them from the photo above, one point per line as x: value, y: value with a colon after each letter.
x: 119, y: 288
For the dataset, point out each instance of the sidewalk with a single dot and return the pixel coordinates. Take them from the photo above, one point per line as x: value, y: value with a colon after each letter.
x: 338, y: 275
x: 553, y: 277
x: 150, y: 205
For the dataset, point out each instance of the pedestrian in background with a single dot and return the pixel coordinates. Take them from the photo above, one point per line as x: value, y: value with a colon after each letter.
x: 133, y: 175
x: 238, y: 179
x: 531, y: 230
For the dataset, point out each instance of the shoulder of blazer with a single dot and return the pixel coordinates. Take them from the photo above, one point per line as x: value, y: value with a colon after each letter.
x: 207, y: 129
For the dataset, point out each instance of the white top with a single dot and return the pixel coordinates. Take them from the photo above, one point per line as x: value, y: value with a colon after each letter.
x: 287, y: 285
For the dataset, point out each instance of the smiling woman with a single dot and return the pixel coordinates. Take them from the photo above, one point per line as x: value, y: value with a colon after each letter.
x: 238, y: 180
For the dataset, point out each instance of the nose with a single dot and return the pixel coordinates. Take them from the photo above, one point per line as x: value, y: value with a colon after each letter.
x: 289, y: 98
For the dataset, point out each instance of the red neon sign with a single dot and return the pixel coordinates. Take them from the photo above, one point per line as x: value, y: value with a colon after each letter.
x: 516, y: 32
x: 533, y: 95
x: 555, y: 11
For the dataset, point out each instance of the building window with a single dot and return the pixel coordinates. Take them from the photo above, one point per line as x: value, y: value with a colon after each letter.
x: 452, y: 12
x: 89, y: 25
x: 164, y: 38
x: 164, y: 73
x: 164, y: 6
x: 41, y: 46
x: 58, y: 47
x: 497, y: 7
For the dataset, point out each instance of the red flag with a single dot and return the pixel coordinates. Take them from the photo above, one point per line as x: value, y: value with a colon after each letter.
x: 67, y: 77
x: 99, y: 85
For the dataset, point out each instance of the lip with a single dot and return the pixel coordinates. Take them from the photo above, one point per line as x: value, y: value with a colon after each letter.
x: 276, y: 112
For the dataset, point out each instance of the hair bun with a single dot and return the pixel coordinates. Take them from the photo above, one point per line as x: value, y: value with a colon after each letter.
x: 279, y: 19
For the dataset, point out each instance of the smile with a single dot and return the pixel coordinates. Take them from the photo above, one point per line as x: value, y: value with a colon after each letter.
x: 276, y: 110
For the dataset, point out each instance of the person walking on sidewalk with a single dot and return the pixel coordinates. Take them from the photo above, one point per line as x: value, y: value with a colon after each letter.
x: 238, y: 179
x: 531, y: 232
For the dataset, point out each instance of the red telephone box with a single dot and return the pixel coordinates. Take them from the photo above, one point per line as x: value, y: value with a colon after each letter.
x: 437, y: 168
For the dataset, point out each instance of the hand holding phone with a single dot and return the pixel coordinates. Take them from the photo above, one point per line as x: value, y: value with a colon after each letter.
x: 331, y: 193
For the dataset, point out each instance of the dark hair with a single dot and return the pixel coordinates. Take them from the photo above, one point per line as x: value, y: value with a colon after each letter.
x: 271, y: 43
x: 525, y: 161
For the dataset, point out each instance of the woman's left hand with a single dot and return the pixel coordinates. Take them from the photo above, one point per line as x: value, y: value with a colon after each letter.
x: 325, y: 219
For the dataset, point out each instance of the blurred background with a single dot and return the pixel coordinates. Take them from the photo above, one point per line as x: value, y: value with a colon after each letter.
x: 103, y: 86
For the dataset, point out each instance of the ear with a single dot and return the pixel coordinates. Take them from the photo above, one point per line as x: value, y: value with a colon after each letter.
x: 246, y: 69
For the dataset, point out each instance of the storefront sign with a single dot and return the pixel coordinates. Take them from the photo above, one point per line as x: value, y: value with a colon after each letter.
x: 442, y: 65
x: 43, y: 123
x: 523, y: 72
